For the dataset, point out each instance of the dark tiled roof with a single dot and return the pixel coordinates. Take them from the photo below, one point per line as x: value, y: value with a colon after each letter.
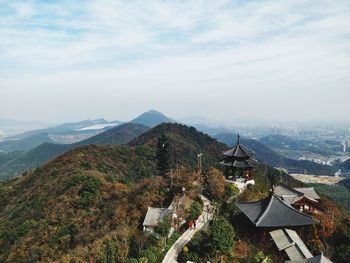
x: 273, y: 212
x: 308, y: 192
x: 283, y: 189
x: 239, y: 151
x: 289, y: 241
x: 290, y: 195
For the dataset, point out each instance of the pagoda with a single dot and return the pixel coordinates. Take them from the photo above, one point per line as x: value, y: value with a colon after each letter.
x: 238, y: 162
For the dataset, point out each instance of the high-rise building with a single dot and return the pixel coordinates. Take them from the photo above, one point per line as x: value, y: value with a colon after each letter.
x: 345, y: 145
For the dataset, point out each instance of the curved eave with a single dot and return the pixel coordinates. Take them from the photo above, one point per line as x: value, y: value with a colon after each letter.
x: 273, y: 212
x: 239, y: 151
x: 240, y: 164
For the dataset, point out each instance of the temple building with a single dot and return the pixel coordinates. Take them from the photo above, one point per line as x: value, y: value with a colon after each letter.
x: 238, y: 162
x: 273, y: 212
x: 302, y: 199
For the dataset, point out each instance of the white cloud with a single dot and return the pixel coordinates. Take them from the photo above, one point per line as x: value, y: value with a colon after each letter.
x: 197, y: 54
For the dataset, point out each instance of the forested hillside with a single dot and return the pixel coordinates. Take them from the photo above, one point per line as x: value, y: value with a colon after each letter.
x: 89, y: 203
x: 93, y: 197
x: 77, y: 202
x: 43, y: 153
x: 186, y: 143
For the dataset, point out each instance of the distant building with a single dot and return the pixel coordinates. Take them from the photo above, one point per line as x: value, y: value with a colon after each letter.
x: 345, y: 145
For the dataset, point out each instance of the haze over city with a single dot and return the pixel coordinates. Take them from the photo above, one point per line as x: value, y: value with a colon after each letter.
x: 225, y: 60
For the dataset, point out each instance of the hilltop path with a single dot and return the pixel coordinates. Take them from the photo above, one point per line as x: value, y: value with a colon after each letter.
x: 171, y: 256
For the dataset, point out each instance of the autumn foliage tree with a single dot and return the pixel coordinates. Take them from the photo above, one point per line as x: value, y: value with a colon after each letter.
x: 215, y: 184
x: 322, y: 231
x: 183, y: 178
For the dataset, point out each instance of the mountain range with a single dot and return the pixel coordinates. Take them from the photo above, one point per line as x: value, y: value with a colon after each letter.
x: 74, y: 132
x: 63, y: 133
x: 9, y: 127
x: 37, y: 147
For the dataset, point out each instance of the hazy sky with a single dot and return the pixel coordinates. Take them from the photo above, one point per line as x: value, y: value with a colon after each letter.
x: 71, y: 60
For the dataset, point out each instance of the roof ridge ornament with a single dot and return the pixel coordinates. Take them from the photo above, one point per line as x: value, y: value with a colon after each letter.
x: 237, y: 138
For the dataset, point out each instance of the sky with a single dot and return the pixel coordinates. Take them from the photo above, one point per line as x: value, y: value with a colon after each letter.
x: 224, y: 59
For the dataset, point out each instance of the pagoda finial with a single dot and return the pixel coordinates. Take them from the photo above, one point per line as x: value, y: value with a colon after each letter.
x: 238, y: 138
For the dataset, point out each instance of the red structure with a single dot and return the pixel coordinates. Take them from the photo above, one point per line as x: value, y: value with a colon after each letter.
x: 302, y: 199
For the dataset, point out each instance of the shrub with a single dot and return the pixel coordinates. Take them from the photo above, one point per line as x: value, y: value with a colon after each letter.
x: 193, y: 257
x: 195, y: 211
x: 109, y: 252
x: 260, y: 257
x: 26, y: 227
x: 85, y: 165
x: 132, y: 260
x: 151, y: 254
x: 231, y: 190
x: 185, y: 249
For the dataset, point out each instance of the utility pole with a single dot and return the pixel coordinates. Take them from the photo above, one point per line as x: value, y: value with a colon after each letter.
x: 199, y: 162
x: 171, y: 179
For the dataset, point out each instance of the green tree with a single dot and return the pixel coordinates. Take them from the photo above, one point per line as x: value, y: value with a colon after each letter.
x: 109, y: 252
x: 163, y: 156
x: 195, y: 211
x: 163, y: 226
x: 222, y: 235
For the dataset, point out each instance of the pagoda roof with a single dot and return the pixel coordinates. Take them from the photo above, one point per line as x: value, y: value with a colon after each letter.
x: 239, y: 151
x: 274, y: 212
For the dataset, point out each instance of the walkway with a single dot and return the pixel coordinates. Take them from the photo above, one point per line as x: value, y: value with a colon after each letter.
x: 174, y: 251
